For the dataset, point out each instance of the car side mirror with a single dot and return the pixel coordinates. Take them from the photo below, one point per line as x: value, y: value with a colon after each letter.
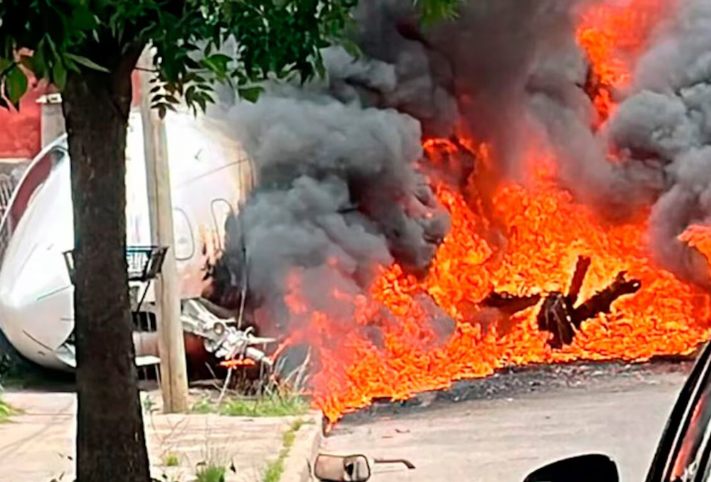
x: 342, y: 468
x: 583, y: 468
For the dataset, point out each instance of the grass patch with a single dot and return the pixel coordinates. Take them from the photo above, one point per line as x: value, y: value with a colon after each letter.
x: 213, y: 469
x: 267, y: 396
x: 149, y: 406
x: 171, y: 460
x: 275, y: 468
x: 5, y: 411
x: 272, y: 405
x: 204, y: 406
x: 211, y: 472
x: 274, y: 471
x: 290, y: 435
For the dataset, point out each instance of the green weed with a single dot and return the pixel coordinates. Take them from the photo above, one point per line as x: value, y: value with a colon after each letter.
x: 211, y: 472
x: 275, y: 468
x: 171, y: 460
x: 272, y: 404
x: 5, y: 411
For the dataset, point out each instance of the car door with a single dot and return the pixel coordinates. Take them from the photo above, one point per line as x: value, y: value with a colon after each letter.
x: 682, y: 453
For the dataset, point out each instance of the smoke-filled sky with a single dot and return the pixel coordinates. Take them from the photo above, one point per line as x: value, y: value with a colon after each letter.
x: 661, y: 131
x: 339, y: 163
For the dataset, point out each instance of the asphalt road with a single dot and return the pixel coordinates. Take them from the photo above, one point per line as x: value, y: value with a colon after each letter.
x: 501, y: 438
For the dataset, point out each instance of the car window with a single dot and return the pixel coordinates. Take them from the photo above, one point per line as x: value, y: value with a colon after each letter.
x: 688, y: 428
x: 35, y: 176
x: 183, y: 232
x: 687, y: 460
x: 221, y: 209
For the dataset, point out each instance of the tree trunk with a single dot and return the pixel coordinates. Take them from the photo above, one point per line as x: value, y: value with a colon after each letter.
x: 110, y: 437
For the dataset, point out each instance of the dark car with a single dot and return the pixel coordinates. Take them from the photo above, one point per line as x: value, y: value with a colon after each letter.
x: 683, y: 451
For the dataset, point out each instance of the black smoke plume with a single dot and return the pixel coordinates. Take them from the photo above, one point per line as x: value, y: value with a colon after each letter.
x: 338, y: 164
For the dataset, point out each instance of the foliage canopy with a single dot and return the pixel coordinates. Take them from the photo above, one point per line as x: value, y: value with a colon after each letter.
x: 52, y: 39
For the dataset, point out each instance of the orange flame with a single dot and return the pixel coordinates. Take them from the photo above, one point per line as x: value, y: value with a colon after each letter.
x: 239, y: 362
x: 545, y: 232
x: 526, y: 243
x: 698, y: 237
x: 614, y: 35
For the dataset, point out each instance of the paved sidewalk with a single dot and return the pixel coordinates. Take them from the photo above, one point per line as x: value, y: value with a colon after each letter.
x: 38, y: 444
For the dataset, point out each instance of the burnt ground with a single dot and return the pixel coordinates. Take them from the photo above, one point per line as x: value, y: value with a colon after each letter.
x: 500, y: 428
x: 530, y: 381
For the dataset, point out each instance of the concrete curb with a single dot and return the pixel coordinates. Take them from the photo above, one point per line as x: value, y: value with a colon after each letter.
x: 297, y: 466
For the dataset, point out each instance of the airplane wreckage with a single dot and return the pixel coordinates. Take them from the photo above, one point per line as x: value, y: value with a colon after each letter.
x: 210, y: 176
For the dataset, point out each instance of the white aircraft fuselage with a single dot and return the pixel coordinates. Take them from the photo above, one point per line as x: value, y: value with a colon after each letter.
x: 209, y: 177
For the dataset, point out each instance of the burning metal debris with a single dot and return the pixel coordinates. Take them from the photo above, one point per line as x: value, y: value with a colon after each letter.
x: 560, y: 315
x: 223, y: 338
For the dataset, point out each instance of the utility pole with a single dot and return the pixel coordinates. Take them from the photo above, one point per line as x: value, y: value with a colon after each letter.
x: 171, y: 344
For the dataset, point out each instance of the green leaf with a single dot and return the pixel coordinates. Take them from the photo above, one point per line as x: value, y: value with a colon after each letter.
x: 218, y: 63
x: 202, y: 102
x: 59, y: 75
x: 250, y: 94
x: 38, y: 61
x: 432, y: 11
x: 352, y: 48
x: 15, y: 85
x: 4, y: 64
x: 83, y: 18
x: 88, y: 63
